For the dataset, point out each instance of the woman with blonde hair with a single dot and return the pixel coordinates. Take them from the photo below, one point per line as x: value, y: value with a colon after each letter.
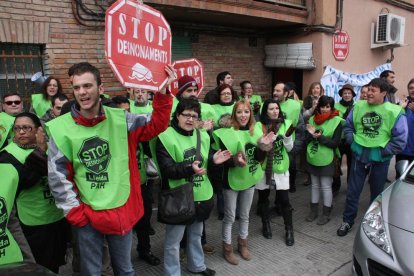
x: 246, y: 143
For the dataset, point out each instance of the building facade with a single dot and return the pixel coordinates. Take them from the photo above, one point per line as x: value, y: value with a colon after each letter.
x: 229, y: 35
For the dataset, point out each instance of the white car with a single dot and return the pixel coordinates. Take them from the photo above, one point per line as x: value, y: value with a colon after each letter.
x: 384, y: 243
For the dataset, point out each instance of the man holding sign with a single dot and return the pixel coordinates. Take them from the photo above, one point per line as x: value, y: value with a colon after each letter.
x: 93, y: 172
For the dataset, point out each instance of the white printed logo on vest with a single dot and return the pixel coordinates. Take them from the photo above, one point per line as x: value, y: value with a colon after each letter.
x: 251, y: 162
x: 277, y: 152
x: 4, y: 239
x: 371, y: 122
x: 94, y: 154
x: 190, y: 155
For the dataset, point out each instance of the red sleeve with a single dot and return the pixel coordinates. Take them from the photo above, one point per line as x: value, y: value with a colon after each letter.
x: 160, y: 119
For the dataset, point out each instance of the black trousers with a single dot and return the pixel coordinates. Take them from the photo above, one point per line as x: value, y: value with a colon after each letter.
x: 143, y: 225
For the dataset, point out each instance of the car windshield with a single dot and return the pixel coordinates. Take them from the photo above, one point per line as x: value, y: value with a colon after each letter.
x: 410, y: 175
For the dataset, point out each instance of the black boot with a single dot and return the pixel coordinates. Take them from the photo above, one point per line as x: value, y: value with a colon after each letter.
x: 267, y: 230
x: 287, y: 218
x: 265, y: 214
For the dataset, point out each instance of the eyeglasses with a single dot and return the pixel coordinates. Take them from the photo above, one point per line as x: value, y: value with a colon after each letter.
x: 13, y: 102
x: 24, y: 128
x: 225, y: 94
x: 188, y: 116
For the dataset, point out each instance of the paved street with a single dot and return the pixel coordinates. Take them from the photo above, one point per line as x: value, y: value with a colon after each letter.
x: 317, y: 249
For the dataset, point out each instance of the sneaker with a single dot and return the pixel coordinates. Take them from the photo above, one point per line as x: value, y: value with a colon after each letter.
x: 149, y: 258
x: 151, y: 231
x: 208, y: 249
x: 220, y: 216
x: 344, y: 229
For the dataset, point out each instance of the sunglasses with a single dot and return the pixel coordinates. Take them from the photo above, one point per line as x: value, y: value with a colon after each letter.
x: 13, y: 102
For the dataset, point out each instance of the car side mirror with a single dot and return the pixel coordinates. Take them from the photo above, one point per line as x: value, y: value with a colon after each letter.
x: 401, y: 166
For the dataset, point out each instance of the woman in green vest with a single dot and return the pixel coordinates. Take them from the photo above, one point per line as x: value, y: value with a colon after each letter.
x: 246, y: 92
x: 324, y: 135
x: 227, y: 96
x: 42, y: 102
x: 344, y: 106
x: 276, y: 168
x: 43, y: 224
x: 175, y: 151
x: 240, y: 174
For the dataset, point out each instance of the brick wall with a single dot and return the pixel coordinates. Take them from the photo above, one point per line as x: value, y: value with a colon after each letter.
x: 53, y: 24
x: 233, y: 54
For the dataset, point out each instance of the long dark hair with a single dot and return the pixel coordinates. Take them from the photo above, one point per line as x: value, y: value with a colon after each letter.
x: 46, y: 83
x: 264, y: 118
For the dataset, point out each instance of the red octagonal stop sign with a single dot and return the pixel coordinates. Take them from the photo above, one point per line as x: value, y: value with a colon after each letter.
x: 340, y: 45
x: 191, y: 67
x: 137, y: 44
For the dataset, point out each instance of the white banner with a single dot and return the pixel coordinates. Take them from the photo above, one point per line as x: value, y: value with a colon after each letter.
x: 333, y: 79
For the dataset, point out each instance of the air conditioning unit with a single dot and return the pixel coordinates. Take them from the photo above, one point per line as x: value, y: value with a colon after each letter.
x: 390, y: 29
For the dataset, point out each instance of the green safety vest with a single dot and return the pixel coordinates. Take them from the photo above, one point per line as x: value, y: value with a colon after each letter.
x: 241, y: 178
x: 6, y: 123
x: 317, y: 154
x: 280, y: 154
x: 35, y: 206
x: 291, y: 110
x: 40, y: 105
x: 99, y: 155
x: 373, y: 123
x: 220, y: 111
x: 182, y: 148
x: 9, y: 249
x: 140, y: 109
x: 253, y: 99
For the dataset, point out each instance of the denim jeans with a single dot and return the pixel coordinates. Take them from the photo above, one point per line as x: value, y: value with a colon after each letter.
x: 195, y: 254
x: 90, y: 250
x: 230, y: 205
x: 377, y: 172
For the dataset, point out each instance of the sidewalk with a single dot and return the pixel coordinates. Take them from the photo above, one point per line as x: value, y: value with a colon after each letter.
x: 317, y: 249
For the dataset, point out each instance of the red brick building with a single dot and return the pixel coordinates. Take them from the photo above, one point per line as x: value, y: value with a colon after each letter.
x: 49, y: 36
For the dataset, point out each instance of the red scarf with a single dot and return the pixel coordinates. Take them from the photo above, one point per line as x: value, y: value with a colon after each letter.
x: 321, y: 118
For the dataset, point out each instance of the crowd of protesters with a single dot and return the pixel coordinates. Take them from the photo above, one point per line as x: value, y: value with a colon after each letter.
x: 81, y: 172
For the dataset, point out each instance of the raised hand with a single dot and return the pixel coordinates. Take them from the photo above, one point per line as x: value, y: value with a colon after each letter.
x: 221, y: 156
x: 41, y: 139
x: 172, y: 76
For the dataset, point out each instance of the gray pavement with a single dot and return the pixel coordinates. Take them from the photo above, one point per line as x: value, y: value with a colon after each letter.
x: 317, y: 249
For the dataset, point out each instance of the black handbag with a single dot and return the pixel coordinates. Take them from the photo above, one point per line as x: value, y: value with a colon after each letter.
x: 176, y: 206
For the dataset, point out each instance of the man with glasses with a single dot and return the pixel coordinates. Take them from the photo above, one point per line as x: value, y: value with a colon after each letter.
x: 12, y: 103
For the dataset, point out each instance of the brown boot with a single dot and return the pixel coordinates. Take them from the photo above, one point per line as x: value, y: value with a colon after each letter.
x: 229, y: 255
x: 243, y: 250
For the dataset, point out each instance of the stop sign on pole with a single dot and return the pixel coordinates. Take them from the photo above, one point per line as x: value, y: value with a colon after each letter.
x: 137, y: 44
x: 191, y: 67
x: 340, y: 45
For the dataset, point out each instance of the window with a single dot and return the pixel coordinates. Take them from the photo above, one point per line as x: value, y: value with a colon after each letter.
x: 18, y: 62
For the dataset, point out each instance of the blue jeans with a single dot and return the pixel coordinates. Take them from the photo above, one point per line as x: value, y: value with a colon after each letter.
x: 90, y: 251
x: 377, y: 172
x: 195, y: 254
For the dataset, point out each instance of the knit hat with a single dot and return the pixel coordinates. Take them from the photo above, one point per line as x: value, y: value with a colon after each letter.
x: 347, y: 86
x: 184, y: 82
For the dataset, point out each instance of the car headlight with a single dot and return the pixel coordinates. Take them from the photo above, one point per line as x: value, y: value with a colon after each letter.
x: 374, y: 228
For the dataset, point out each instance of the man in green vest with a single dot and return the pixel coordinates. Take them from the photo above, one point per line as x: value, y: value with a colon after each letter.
x: 93, y: 171
x: 141, y: 103
x: 376, y: 131
x: 291, y: 110
x: 12, y: 103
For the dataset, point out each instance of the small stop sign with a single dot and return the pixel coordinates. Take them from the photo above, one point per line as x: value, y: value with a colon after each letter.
x: 191, y: 67
x: 137, y: 44
x: 340, y: 45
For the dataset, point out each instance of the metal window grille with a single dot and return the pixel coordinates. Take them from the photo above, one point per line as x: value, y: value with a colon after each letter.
x: 18, y: 62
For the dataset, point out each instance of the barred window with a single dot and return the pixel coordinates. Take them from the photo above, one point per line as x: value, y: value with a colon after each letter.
x: 18, y: 63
